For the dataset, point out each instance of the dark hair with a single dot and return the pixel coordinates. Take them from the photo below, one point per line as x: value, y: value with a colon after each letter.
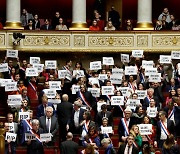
x: 88, y: 114
x: 103, y: 107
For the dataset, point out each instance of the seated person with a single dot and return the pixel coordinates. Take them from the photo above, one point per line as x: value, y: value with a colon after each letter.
x: 30, y: 25
x: 109, y: 26
x: 61, y: 25
x: 129, y: 25
x: 47, y: 25
x: 94, y: 26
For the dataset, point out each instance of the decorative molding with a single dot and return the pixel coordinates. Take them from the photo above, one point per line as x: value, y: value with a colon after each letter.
x: 142, y: 41
x: 79, y: 40
x: 2, y: 39
x: 110, y: 41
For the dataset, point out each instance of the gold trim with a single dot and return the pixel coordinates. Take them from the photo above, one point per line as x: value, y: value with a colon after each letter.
x: 79, y: 26
x: 144, y: 26
x: 14, y: 25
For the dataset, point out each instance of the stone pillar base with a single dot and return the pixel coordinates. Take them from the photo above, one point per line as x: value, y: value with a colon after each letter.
x: 13, y: 25
x: 79, y: 26
x: 144, y: 26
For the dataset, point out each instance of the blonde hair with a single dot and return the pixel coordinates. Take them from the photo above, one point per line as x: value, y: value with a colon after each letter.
x: 132, y: 130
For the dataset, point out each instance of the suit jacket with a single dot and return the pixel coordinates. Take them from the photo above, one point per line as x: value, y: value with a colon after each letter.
x: 121, y: 129
x: 122, y: 149
x: 40, y: 109
x: 170, y: 127
x: 24, y: 20
x: 64, y: 111
x: 54, y: 125
x: 69, y: 147
x: 44, y: 27
x: 100, y: 115
x: 71, y: 120
x: 146, y: 102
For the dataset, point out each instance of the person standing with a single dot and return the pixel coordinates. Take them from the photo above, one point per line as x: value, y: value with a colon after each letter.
x: 25, y: 17
x: 69, y: 146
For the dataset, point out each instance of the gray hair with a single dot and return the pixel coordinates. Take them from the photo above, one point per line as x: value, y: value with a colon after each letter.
x: 49, y: 108
x: 77, y: 103
x: 35, y: 121
x: 106, y: 140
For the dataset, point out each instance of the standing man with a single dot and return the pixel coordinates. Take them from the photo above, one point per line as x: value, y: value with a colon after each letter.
x: 115, y: 18
x: 55, y: 20
x: 69, y: 146
x: 165, y: 127
x: 64, y: 111
x: 25, y: 17
x: 49, y: 124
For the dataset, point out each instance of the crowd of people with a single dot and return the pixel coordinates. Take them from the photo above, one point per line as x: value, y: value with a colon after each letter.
x: 75, y: 109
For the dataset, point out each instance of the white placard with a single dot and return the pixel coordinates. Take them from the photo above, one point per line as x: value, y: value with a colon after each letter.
x: 55, y: 85
x: 78, y: 73
x: 117, y: 100
x: 31, y: 72
x: 106, y: 130
x: 107, y: 90
x: 4, y: 81
x: 50, y: 64
x: 11, y: 137
x: 145, y: 129
x: 131, y: 70
x: 99, y: 104
x: 75, y: 88
x: 95, y: 91
x: 137, y: 53
x: 11, y: 127
x: 12, y: 53
x: 14, y: 99
x: 30, y: 137
x: 39, y: 67
x: 155, y: 77
x: 165, y: 59
x: 12, y: 86
x: 96, y: 65
x: 4, y: 67
x: 62, y: 74
x: 149, y: 70
x: 108, y: 61
x: 152, y: 112
x: 116, y: 79
x: 50, y: 93
x: 175, y: 54
x: 146, y: 63
x: 125, y: 91
x: 117, y: 71
x: 125, y: 58
x: 24, y: 115
x: 132, y: 103
x: 45, y: 137
x: 35, y: 60
x: 93, y: 81
x: 102, y: 77
x: 141, y: 93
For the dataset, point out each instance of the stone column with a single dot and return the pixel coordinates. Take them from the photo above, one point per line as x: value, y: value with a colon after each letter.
x: 79, y: 15
x: 144, y: 21
x: 13, y: 8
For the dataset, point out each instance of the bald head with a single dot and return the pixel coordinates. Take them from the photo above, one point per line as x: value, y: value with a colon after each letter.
x: 65, y: 98
x: 69, y: 136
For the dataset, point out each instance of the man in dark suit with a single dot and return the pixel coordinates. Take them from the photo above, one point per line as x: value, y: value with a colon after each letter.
x: 41, y: 109
x: 165, y: 127
x: 35, y: 146
x: 9, y: 145
x: 76, y: 118
x: 69, y: 146
x: 125, y: 125
x: 47, y: 25
x: 102, y: 114
x: 64, y: 111
x: 49, y: 124
x: 128, y: 148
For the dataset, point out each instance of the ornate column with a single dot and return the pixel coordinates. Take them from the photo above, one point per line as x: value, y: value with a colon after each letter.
x: 13, y: 8
x: 144, y: 21
x: 79, y: 15
x: 2, y: 139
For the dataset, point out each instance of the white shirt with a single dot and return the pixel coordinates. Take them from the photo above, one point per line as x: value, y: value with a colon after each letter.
x: 76, y: 118
x: 163, y: 135
x: 49, y: 124
x: 126, y: 149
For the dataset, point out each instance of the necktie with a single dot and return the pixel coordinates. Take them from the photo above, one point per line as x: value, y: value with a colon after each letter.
x: 9, y: 148
x: 128, y: 149
x: 47, y: 125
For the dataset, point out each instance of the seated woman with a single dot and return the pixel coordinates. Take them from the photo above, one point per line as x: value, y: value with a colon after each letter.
x: 94, y: 26
x: 158, y: 25
x: 129, y: 25
x: 36, y: 22
x: 109, y: 26
x: 30, y: 25
x: 137, y: 137
x: 91, y: 138
x: 61, y: 25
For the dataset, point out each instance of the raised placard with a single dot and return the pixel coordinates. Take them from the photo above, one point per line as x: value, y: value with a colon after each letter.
x: 145, y: 129
x: 141, y: 93
x: 165, y: 59
x: 152, y: 112
x: 11, y: 137
x: 24, y: 115
x: 156, y: 77
x: 35, y: 60
x: 50, y: 64
x: 75, y: 88
x: 131, y: 70
x: 125, y: 58
x: 137, y: 53
x: 116, y: 79
x: 175, y: 54
x: 31, y: 72
x: 4, y: 67
x: 126, y: 92
x: 12, y: 53
x: 95, y: 91
x: 4, y: 81
x: 108, y: 61
x: 107, y: 90
x: 55, y: 85
x: 102, y: 77
x: 30, y: 137
x: 96, y: 65
x: 62, y: 74
x: 11, y: 86
x: 117, y: 71
x: 78, y: 73
x: 106, y: 130
x: 39, y: 67
x: 117, y: 100
x: 14, y: 99
x: 93, y: 80
x: 45, y: 137
x: 132, y: 103
x: 50, y: 93
x: 146, y: 63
